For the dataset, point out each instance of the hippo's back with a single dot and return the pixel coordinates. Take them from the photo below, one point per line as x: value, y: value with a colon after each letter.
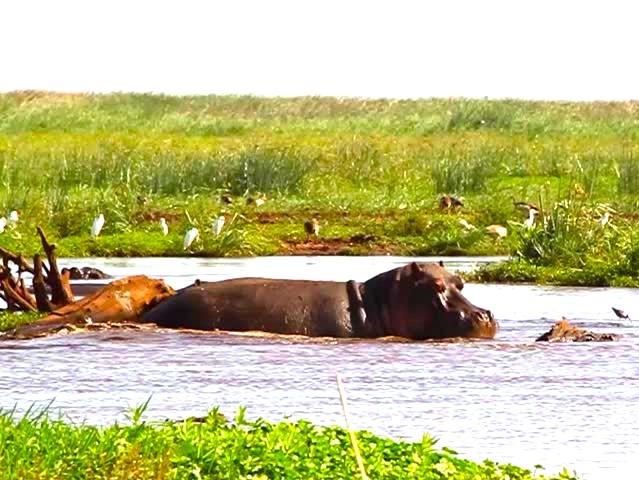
x: 303, y: 307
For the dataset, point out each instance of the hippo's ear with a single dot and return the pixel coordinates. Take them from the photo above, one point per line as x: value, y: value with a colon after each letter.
x: 441, y: 263
x: 415, y: 269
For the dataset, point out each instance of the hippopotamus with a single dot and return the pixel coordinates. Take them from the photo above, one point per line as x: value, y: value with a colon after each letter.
x: 85, y: 273
x: 417, y: 301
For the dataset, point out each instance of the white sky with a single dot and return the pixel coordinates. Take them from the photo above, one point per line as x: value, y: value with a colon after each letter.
x: 545, y: 49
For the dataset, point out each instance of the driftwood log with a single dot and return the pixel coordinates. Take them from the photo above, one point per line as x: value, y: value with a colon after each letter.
x: 45, y: 278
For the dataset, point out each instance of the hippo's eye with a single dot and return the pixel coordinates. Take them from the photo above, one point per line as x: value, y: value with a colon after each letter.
x: 440, y: 284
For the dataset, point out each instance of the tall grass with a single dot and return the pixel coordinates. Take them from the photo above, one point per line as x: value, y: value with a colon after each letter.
x: 461, y: 174
x: 36, y: 446
x: 362, y: 163
x: 628, y: 174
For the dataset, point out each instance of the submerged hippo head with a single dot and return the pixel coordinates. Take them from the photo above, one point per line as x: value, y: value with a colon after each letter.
x: 425, y: 301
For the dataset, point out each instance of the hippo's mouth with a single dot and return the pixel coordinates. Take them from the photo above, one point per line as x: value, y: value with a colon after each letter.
x: 459, y: 317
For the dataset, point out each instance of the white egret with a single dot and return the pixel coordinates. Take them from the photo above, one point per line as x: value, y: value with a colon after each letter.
x: 217, y: 225
x: 603, y: 220
x: 164, y: 226
x: 530, y: 221
x: 98, y: 223
x: 3, y: 224
x: 13, y: 216
x: 498, y: 231
x: 190, y: 237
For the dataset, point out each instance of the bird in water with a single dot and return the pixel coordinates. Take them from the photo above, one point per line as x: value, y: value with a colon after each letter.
x: 190, y: 237
x: 311, y: 227
x: 620, y: 313
x: 217, y: 225
x: 164, y: 226
x: 98, y: 223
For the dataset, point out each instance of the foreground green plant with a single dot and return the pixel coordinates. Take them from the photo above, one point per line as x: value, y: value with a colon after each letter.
x: 38, y: 447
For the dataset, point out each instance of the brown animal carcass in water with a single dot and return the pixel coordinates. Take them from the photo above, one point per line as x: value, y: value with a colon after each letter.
x: 564, y: 331
x: 417, y: 301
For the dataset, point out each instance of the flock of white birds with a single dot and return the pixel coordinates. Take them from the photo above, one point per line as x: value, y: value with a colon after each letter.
x: 191, y: 234
x: 9, y: 222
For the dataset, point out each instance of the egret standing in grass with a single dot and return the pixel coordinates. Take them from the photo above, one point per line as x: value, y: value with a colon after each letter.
x: 603, y: 220
x: 190, y: 237
x: 217, y: 225
x: 98, y: 223
x: 530, y: 221
x: 3, y: 224
x: 164, y: 226
x: 13, y: 216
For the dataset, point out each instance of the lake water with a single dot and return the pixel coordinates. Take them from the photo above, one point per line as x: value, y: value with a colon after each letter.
x: 510, y: 400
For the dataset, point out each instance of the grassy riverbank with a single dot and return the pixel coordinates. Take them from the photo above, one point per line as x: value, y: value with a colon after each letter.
x: 371, y: 171
x: 38, y: 447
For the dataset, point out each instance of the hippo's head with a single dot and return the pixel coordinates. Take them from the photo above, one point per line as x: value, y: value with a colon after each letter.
x: 425, y: 301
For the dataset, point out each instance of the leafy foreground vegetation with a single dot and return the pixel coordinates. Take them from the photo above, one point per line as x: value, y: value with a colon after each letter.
x: 10, y: 319
x: 37, y: 447
x: 371, y: 172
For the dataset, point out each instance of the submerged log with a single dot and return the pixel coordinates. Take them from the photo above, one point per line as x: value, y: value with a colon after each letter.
x: 564, y: 331
x: 120, y: 301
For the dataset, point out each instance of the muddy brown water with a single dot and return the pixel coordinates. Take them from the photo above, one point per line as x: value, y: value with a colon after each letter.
x: 510, y: 400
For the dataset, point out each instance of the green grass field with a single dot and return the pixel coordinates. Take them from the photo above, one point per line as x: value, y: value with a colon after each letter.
x: 371, y: 172
x: 37, y: 446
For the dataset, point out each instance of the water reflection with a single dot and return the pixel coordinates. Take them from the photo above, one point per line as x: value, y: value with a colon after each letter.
x: 510, y: 399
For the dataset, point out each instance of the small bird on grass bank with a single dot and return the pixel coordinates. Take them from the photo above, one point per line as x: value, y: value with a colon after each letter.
x: 530, y: 221
x: 311, y: 227
x: 498, y: 231
x: 526, y: 206
x: 218, y: 224
x: 604, y: 220
x: 620, y: 313
x: 164, y: 226
x: 96, y: 228
x: 190, y: 237
x: 13, y: 216
x: 447, y: 202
